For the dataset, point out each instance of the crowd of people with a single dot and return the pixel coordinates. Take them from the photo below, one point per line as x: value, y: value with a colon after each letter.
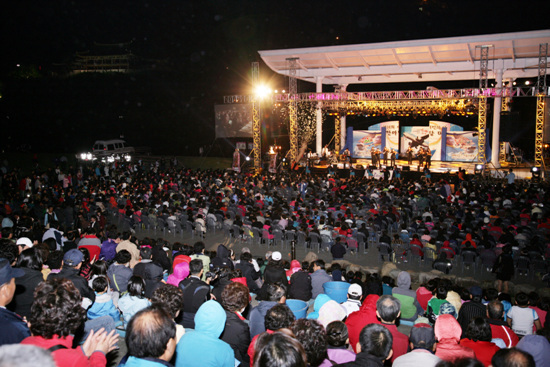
x: 74, y: 276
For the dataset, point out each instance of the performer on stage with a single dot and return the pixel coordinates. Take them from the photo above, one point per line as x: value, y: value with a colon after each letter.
x: 373, y: 156
x: 236, y: 161
x: 386, y: 153
x: 410, y: 155
x: 347, y: 155
x: 428, y: 154
x: 420, y: 157
x: 325, y: 152
x: 393, y: 156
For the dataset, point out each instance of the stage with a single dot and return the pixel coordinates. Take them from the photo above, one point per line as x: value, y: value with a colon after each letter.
x: 437, y: 168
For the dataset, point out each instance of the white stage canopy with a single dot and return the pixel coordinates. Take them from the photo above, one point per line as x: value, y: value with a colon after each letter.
x: 437, y: 59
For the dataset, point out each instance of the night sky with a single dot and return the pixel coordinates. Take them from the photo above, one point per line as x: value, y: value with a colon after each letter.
x: 190, y: 54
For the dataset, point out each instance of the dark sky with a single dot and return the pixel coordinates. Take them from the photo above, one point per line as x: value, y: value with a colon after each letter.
x: 203, y: 49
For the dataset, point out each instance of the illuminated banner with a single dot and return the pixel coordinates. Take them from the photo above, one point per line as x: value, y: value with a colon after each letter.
x: 461, y: 146
x: 415, y: 137
x: 391, y: 138
x: 233, y: 121
x: 364, y: 141
x: 436, y: 139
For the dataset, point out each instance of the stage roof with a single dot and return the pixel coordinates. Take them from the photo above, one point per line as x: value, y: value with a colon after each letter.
x: 437, y: 59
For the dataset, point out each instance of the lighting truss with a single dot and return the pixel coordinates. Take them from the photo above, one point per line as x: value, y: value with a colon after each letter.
x: 482, y: 136
x: 539, y: 132
x: 293, y: 107
x: 256, y: 128
x: 337, y: 133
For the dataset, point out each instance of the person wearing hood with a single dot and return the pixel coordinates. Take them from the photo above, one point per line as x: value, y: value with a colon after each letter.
x: 331, y: 311
x: 447, y: 332
x: 537, y: 346
x: 356, y: 321
x: 410, y: 308
x: 319, y: 302
x: 202, y: 347
x: 181, y: 271
x: 223, y: 258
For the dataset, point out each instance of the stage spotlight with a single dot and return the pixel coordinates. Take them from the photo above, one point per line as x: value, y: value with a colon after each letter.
x: 262, y: 91
x: 478, y: 169
x: 247, y: 158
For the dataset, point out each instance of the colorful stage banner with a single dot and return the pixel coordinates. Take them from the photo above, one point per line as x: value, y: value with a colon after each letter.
x: 364, y: 141
x: 415, y: 137
x: 461, y: 146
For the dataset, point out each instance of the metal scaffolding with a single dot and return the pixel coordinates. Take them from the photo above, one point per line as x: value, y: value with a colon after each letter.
x: 484, y: 67
x: 539, y: 132
x: 293, y: 107
x: 482, y: 137
x: 541, y: 97
x: 337, y: 133
x: 256, y: 128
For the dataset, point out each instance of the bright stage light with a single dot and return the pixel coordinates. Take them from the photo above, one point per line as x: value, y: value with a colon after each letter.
x: 262, y: 91
x: 247, y: 158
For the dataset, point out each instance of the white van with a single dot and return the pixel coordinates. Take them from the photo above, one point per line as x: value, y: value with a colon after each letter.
x: 106, y: 148
x: 109, y: 151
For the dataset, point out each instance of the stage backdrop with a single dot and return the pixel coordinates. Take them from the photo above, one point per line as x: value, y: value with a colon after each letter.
x: 460, y: 145
x: 385, y: 134
x: 233, y: 121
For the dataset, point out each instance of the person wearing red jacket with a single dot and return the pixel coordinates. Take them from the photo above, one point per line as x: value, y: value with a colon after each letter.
x: 478, y: 338
x: 499, y: 327
x: 56, y: 314
x: 357, y: 320
x: 447, y: 332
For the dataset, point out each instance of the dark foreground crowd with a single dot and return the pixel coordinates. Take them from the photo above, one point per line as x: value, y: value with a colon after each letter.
x: 74, y: 278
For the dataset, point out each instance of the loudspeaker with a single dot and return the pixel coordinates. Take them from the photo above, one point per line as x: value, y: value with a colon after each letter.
x: 406, y: 168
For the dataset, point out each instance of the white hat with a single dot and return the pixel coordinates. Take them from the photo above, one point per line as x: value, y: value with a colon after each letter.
x: 24, y: 241
x: 355, y: 290
x: 276, y: 256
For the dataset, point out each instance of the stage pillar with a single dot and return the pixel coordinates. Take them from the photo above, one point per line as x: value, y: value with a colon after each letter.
x: 319, y: 118
x: 495, y: 145
x: 343, y: 128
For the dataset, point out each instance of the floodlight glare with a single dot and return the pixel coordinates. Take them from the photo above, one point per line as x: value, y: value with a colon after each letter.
x: 534, y: 169
x: 479, y: 167
x: 247, y: 158
x: 262, y: 91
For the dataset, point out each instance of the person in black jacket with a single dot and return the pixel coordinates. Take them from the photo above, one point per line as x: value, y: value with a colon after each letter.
x: 151, y: 272
x: 300, y: 284
x: 30, y: 262
x: 234, y: 300
x: 247, y: 268
x: 222, y: 259
x: 273, y: 273
x: 195, y: 292
x: 14, y: 329
x: 72, y: 261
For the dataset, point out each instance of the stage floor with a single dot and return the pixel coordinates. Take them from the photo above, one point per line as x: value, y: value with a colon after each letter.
x: 522, y: 171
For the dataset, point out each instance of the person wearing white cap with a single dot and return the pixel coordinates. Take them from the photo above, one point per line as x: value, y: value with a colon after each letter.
x: 24, y: 243
x: 355, y: 296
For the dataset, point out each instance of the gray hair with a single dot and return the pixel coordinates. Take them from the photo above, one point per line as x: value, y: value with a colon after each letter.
x: 388, y: 308
x: 19, y: 355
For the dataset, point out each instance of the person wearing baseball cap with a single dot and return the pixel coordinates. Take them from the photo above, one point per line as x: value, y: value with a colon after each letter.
x: 72, y: 261
x: 355, y: 295
x: 422, y: 344
x: 24, y: 243
x: 14, y: 328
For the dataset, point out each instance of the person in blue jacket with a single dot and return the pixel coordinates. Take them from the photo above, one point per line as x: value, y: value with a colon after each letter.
x: 202, y: 347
